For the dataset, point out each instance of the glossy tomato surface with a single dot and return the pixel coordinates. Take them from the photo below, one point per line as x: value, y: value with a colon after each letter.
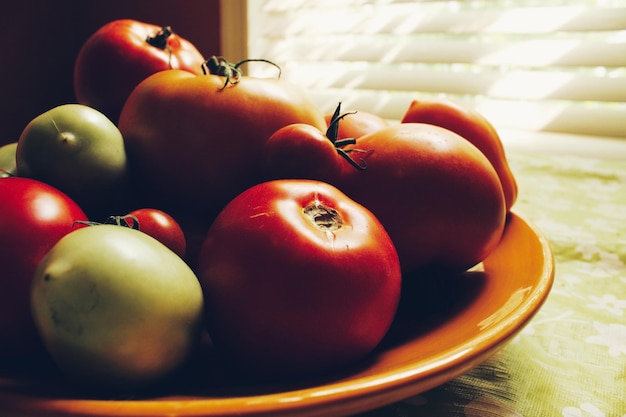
x: 436, y: 194
x: 193, y: 144
x: 33, y: 217
x: 298, y: 279
x: 120, y: 54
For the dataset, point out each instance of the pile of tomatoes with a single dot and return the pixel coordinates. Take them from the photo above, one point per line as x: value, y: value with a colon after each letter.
x: 296, y: 226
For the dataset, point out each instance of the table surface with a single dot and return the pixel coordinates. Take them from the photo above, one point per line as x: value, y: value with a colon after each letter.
x: 570, y: 360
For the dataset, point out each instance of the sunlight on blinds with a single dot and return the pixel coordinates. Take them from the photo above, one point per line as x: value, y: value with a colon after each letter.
x: 557, y: 66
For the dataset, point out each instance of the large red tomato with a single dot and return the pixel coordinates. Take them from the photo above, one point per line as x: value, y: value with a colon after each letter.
x: 120, y: 54
x: 33, y: 217
x: 298, y: 278
x: 193, y: 142
x: 437, y: 195
x: 474, y: 127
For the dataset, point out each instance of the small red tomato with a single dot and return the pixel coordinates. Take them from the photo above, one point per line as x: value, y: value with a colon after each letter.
x: 298, y: 279
x: 120, y: 54
x: 300, y: 151
x: 33, y: 217
x: 158, y: 224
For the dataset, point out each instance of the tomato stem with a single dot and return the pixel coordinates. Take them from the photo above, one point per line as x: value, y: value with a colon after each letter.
x: 218, y: 65
x: 115, y: 220
x: 6, y: 173
x: 323, y: 217
x: 332, y: 133
x: 160, y: 39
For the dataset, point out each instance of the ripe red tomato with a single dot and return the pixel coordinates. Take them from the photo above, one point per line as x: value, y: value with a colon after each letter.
x: 437, y: 195
x: 155, y: 223
x: 33, y: 217
x: 121, y: 54
x: 298, y: 279
x: 300, y: 151
x: 193, y: 143
x: 474, y: 127
x: 305, y: 152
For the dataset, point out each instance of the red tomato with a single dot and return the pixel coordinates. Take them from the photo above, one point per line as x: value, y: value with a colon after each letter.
x: 298, y: 279
x: 33, y: 217
x: 120, y: 54
x: 193, y: 143
x: 474, y: 127
x: 300, y: 151
x: 437, y: 195
x: 158, y: 224
x: 303, y: 151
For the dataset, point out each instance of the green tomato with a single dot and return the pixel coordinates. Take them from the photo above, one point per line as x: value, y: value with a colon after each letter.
x: 7, y: 160
x: 78, y: 150
x: 116, y: 309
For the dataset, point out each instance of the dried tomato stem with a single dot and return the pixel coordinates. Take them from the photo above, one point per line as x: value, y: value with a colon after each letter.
x: 160, y: 39
x: 323, y: 217
x: 218, y: 65
x: 332, y: 133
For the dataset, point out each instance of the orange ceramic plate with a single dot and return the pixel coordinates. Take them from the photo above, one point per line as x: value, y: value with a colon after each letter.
x: 446, y: 326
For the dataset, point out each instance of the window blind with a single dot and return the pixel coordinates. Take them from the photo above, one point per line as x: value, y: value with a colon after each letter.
x: 549, y: 65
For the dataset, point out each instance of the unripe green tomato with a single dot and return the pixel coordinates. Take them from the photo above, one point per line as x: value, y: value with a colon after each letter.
x: 76, y: 149
x: 7, y: 160
x: 115, y: 308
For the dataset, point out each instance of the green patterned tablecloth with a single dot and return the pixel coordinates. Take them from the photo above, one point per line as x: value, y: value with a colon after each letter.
x: 570, y: 361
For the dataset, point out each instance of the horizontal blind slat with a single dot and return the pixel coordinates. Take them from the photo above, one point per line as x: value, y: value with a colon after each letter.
x: 579, y: 118
x: 420, y: 18
x: 551, y: 65
x: 532, y: 85
x: 524, y: 53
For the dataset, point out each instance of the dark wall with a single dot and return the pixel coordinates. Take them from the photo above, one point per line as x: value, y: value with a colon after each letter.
x: 40, y: 40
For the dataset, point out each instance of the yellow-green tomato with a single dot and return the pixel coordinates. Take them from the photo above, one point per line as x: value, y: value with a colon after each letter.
x: 7, y: 160
x: 76, y: 149
x: 115, y: 308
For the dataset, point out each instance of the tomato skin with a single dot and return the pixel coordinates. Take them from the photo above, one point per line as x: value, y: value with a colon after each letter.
x: 162, y: 227
x: 33, y: 217
x: 193, y: 145
x: 471, y: 125
x: 284, y: 297
x: 357, y: 123
x: 115, y: 58
x: 436, y: 194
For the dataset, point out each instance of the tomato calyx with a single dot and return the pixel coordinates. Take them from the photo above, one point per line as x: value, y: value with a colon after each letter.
x: 127, y: 220
x: 332, y: 134
x: 6, y: 173
x: 218, y: 65
x: 323, y: 217
x: 160, y: 41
